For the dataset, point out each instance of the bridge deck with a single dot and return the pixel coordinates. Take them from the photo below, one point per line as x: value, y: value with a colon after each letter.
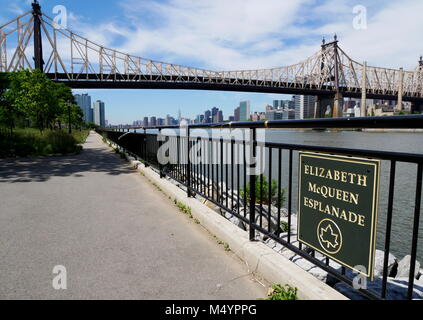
x: 115, y: 233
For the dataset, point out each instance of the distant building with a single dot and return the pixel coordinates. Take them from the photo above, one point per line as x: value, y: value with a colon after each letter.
x: 274, y: 115
x: 231, y: 118
x: 244, y: 110
x: 304, y: 106
x: 160, y: 121
x: 220, y: 116
x: 99, y: 113
x: 170, y: 121
x: 145, y: 122
x: 153, y: 121
x: 258, y: 116
x: 208, y: 117
x: 288, y: 114
x: 237, y: 114
x: 84, y: 102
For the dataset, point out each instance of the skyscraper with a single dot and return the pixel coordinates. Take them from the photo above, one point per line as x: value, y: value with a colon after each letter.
x: 84, y: 102
x: 244, y: 110
x: 145, y: 122
x: 237, y: 114
x: 99, y: 113
x: 304, y: 106
x: 153, y: 121
x: 207, y: 117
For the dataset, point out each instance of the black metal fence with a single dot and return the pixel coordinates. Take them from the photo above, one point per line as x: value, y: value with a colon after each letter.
x: 218, y: 170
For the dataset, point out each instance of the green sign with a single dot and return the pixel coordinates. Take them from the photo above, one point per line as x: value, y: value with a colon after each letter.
x: 337, y: 208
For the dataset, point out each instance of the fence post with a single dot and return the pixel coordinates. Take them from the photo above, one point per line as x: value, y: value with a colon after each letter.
x: 253, y: 144
x: 145, y: 148
x: 160, y: 149
x: 188, y: 182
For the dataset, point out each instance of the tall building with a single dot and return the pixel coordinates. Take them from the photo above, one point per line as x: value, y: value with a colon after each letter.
x: 208, y: 117
x: 214, y: 111
x: 304, y: 106
x: 84, y: 102
x: 153, y: 121
x: 244, y: 110
x: 169, y: 121
x: 288, y: 114
x: 220, y: 116
x: 99, y: 113
x: 145, y: 122
x: 237, y: 114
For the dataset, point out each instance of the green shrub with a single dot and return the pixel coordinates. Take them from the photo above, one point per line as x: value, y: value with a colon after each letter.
x: 31, y: 142
x: 279, y: 292
x: 263, y: 189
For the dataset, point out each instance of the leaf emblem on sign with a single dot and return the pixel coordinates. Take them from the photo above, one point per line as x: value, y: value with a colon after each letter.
x: 328, y: 237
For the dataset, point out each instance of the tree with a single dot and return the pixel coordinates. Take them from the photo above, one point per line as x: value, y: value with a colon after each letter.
x: 34, y: 96
x: 30, y: 94
x: 8, y: 111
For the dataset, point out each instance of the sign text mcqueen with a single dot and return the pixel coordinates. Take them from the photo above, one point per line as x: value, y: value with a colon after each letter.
x: 337, y: 208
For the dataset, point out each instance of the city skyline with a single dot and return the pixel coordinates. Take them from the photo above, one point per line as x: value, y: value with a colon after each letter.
x: 299, y: 107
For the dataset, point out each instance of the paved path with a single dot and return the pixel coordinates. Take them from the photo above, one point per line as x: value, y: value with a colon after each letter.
x: 117, y: 236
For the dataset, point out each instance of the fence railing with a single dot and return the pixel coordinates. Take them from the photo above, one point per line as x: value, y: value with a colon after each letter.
x: 260, y: 191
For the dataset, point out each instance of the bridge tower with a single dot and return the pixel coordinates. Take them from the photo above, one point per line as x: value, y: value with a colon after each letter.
x: 418, y: 106
x: 335, y: 102
x: 38, y: 43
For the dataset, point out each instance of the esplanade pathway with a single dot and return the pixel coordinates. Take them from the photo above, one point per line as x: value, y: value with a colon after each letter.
x: 117, y: 236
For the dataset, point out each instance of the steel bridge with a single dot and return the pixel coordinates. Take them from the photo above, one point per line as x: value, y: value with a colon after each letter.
x: 34, y: 40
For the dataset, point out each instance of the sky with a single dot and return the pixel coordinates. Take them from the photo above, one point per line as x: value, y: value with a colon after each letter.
x: 233, y: 35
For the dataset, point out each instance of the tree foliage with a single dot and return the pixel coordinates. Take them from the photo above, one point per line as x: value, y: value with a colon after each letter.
x: 31, y: 97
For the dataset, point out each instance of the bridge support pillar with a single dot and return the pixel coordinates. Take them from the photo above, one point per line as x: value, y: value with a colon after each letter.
x: 338, y: 106
x: 323, y: 104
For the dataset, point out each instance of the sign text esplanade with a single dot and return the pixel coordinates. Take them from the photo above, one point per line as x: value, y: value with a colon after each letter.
x: 338, y: 199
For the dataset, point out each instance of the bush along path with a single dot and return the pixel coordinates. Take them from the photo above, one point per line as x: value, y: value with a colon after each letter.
x: 31, y: 142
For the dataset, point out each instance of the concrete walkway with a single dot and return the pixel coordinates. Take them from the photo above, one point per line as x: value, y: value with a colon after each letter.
x: 117, y: 236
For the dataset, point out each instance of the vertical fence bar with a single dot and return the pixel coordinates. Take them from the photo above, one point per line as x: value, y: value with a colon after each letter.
x: 279, y: 189
x: 188, y: 173
x: 252, y: 183
x: 212, y: 167
x: 244, y: 159
x: 232, y: 174
x: 388, y: 227
x: 290, y: 196
x: 237, y: 176
x: 221, y: 170
x: 261, y: 195
x: 160, y: 155
x: 227, y: 175
x: 415, y: 230
x: 269, y: 209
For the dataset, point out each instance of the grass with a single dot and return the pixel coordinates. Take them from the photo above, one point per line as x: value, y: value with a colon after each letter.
x: 31, y: 142
x: 184, y: 208
x: 279, y: 292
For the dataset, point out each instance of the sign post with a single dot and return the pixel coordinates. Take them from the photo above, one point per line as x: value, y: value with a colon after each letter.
x: 337, y: 208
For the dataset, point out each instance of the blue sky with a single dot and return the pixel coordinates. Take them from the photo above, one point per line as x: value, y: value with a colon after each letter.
x: 232, y: 35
